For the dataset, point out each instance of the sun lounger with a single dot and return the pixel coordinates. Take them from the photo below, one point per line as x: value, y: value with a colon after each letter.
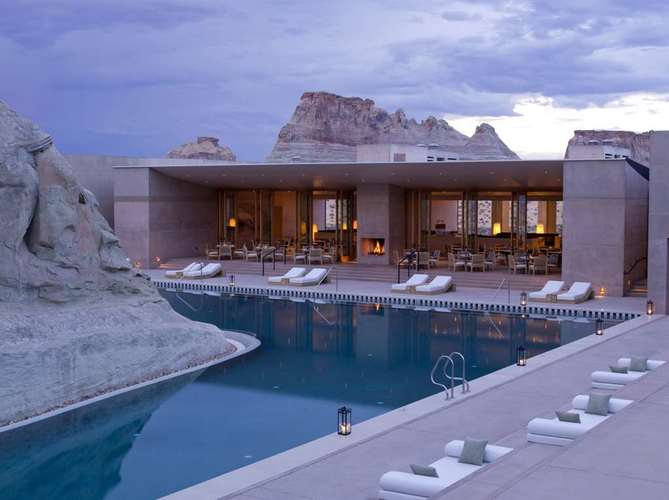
x: 314, y: 277
x: 579, y: 292
x: 294, y: 272
x: 553, y: 431
x: 178, y: 273
x: 208, y: 271
x: 440, y: 284
x: 612, y: 381
x: 550, y: 288
x: 395, y: 485
x: 410, y: 284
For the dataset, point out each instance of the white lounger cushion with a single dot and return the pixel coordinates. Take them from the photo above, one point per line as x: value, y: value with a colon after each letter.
x: 552, y: 431
x: 610, y: 380
x: 550, y: 288
x: 294, y: 272
x: 439, y: 283
x: 579, y: 291
x: 313, y: 277
x: 208, y: 270
x: 193, y: 266
x: 396, y: 485
x: 415, y: 280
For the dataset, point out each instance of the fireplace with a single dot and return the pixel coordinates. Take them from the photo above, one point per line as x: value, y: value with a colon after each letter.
x: 374, y: 247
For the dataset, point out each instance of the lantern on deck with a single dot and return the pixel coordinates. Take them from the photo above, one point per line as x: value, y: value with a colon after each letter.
x: 650, y: 308
x: 344, y: 421
x: 599, y: 327
x: 521, y: 356
x: 232, y: 280
x: 523, y: 298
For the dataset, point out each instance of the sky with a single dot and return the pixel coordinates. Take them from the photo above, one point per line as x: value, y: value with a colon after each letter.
x: 139, y: 77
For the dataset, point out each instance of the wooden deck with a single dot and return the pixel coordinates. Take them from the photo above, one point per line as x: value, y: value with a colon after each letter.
x: 386, y: 274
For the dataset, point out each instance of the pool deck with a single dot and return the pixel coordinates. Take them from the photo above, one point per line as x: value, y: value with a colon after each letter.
x: 498, y: 409
x: 462, y: 294
x: 625, y: 455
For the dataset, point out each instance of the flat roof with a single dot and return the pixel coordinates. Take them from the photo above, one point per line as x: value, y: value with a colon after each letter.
x: 478, y: 175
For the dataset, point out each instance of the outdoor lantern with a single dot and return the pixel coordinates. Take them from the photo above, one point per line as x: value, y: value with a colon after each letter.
x: 232, y: 222
x: 314, y: 230
x: 496, y: 228
x: 602, y: 291
x: 650, y: 308
x: 344, y: 421
x: 540, y: 229
x: 599, y: 327
x: 523, y: 298
x: 232, y: 280
x: 521, y: 356
x: 344, y: 226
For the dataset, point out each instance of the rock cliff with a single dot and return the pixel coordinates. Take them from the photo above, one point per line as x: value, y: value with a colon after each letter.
x: 75, y: 319
x: 637, y: 144
x: 328, y: 127
x: 205, y: 148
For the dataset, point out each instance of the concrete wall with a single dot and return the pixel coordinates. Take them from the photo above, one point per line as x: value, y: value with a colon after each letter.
x: 96, y: 173
x: 605, y: 224
x: 381, y: 214
x: 160, y: 217
x: 658, y: 237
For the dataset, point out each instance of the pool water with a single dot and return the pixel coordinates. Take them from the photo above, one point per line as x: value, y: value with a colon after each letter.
x: 314, y: 358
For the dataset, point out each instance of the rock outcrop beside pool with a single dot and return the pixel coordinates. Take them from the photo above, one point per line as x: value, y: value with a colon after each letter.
x: 76, y: 320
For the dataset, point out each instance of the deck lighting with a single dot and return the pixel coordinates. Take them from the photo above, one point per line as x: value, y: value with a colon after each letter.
x: 344, y: 421
x: 344, y: 226
x: 540, y: 229
x: 521, y: 356
x: 602, y: 291
x: 232, y: 222
x: 650, y: 308
x: 232, y: 280
x: 599, y: 327
x: 355, y: 224
x: 523, y: 299
x: 496, y: 228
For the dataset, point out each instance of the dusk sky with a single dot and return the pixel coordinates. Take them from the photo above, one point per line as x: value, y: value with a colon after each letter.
x: 138, y: 77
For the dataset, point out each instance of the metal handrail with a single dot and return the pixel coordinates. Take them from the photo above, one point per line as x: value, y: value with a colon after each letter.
x: 636, y: 262
x: 499, y: 287
x: 463, y: 379
x: 410, y: 257
x: 264, y: 253
x: 184, y: 302
x: 448, y: 360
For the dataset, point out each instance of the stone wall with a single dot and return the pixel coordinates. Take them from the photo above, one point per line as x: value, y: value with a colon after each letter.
x: 658, y: 238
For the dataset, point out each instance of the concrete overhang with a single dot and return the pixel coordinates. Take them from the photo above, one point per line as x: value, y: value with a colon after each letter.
x: 475, y: 175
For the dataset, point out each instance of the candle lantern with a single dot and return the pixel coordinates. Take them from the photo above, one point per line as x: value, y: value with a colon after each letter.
x: 650, y: 308
x: 599, y: 326
x: 344, y: 421
x: 232, y: 280
x: 521, y: 356
x: 523, y: 298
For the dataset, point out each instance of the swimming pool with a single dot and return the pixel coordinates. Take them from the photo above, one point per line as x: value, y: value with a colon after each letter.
x: 314, y: 357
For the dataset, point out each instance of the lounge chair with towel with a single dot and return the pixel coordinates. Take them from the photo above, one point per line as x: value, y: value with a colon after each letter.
x: 439, y: 284
x: 462, y: 459
x: 314, y: 277
x: 294, y: 272
x: 550, y: 288
x: 626, y: 370
x: 208, y: 271
x: 579, y: 292
x: 179, y: 273
x: 410, y: 284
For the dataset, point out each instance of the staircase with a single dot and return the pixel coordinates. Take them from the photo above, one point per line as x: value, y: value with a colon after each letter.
x: 639, y: 289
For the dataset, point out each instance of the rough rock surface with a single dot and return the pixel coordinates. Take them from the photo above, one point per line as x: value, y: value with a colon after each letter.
x: 75, y: 320
x: 327, y: 127
x: 638, y: 144
x: 205, y: 148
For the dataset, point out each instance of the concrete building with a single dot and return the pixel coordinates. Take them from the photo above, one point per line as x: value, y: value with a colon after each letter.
x: 594, y: 213
x: 403, y: 153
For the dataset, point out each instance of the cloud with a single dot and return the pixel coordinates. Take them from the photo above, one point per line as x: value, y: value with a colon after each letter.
x: 138, y: 77
x: 540, y: 127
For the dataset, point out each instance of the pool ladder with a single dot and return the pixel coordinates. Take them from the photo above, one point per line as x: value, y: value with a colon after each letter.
x: 445, y: 362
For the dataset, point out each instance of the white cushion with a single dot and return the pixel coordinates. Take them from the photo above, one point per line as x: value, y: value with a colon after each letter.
x: 551, y: 287
x: 438, y: 283
x: 652, y: 364
x: 314, y: 277
x: 415, y: 280
x: 616, y: 378
x: 294, y: 272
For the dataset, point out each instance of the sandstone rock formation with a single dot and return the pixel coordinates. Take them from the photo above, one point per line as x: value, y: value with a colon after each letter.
x: 205, y: 148
x: 75, y: 319
x: 637, y: 144
x: 327, y: 127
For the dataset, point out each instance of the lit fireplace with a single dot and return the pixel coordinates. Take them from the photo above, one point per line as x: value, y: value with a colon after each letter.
x: 374, y: 246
